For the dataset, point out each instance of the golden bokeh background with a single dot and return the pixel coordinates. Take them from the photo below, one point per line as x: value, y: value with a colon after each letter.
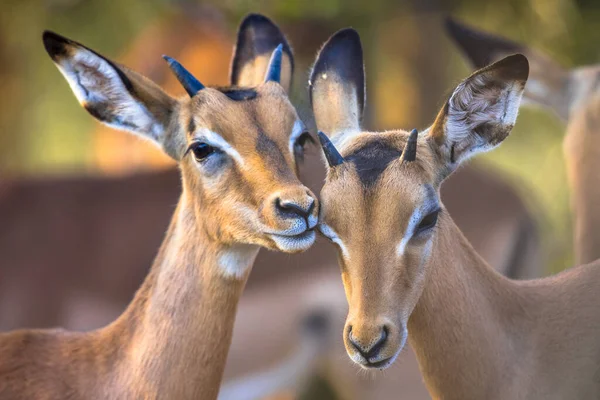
x: 411, y: 65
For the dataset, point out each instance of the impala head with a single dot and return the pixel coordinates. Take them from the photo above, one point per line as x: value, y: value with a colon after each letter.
x: 550, y: 85
x: 380, y: 203
x: 237, y: 147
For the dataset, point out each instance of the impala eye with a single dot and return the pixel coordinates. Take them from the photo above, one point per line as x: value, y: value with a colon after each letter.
x: 300, y: 144
x: 201, y: 150
x: 428, y: 222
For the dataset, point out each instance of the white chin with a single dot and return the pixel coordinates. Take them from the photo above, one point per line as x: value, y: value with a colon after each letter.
x: 294, y: 244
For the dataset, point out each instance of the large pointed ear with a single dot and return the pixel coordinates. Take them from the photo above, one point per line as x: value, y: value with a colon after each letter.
x: 481, y: 111
x: 546, y: 85
x: 337, y: 84
x: 257, y: 37
x: 113, y: 94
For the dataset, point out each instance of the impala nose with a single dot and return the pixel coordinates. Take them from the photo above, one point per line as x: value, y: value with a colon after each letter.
x: 293, y: 208
x: 371, y: 349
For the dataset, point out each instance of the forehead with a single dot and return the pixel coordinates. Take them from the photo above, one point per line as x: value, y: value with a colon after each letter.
x: 242, y: 116
x: 374, y: 173
x: 375, y: 158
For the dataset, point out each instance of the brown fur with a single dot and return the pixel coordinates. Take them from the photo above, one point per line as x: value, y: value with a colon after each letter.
x: 173, y: 339
x: 476, y: 334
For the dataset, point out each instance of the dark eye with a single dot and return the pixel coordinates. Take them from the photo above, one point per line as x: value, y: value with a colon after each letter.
x: 300, y: 144
x: 428, y: 222
x: 201, y: 150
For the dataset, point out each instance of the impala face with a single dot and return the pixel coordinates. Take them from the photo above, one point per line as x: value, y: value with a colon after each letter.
x: 380, y: 203
x: 242, y: 169
x: 237, y: 148
x: 381, y: 213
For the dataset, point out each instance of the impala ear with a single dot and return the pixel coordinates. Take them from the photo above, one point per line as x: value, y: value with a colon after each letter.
x: 337, y: 84
x: 257, y: 39
x: 481, y: 111
x: 546, y: 84
x: 113, y: 94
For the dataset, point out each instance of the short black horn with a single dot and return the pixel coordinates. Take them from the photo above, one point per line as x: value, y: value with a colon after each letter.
x: 274, y: 68
x: 187, y: 80
x: 331, y: 154
x: 410, y: 149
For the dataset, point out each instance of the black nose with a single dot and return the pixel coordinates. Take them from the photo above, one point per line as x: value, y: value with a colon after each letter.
x: 371, y: 351
x: 291, y: 209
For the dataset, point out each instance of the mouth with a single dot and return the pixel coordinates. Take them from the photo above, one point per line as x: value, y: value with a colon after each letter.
x: 294, y: 243
x: 383, y: 364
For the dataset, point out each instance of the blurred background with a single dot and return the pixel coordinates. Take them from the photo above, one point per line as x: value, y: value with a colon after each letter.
x: 411, y: 65
x: 47, y: 139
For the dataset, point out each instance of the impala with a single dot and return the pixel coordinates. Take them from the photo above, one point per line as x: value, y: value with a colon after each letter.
x: 574, y: 97
x: 236, y: 150
x: 410, y: 274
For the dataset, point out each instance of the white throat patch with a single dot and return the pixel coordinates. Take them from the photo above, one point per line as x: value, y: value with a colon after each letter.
x: 236, y: 260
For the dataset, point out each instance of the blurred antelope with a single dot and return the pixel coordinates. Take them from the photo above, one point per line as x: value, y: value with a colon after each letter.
x: 574, y: 97
x: 410, y: 274
x: 236, y: 148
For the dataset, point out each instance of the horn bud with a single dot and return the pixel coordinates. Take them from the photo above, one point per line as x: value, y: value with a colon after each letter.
x: 274, y: 68
x: 187, y: 80
x: 410, y: 149
x: 333, y: 156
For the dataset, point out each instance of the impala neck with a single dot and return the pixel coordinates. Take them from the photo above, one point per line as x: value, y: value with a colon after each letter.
x: 582, y: 152
x: 177, y: 330
x: 465, y: 327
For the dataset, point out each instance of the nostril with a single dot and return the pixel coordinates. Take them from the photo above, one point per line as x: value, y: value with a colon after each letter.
x: 354, y: 343
x: 372, y: 351
x: 293, y: 209
x: 380, y: 343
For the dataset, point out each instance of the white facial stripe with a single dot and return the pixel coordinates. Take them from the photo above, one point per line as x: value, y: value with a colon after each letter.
x: 216, y: 140
x: 297, y: 130
x: 429, y: 205
x: 330, y: 233
x: 414, y: 219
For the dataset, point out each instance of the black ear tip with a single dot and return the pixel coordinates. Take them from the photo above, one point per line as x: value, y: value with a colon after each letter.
x: 54, y: 43
x: 461, y: 34
x: 342, y: 47
x: 346, y: 35
x: 519, y: 58
x: 263, y: 32
x: 255, y: 19
x: 452, y: 25
x: 521, y: 65
x: 345, y: 43
x: 515, y: 67
x: 260, y: 27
